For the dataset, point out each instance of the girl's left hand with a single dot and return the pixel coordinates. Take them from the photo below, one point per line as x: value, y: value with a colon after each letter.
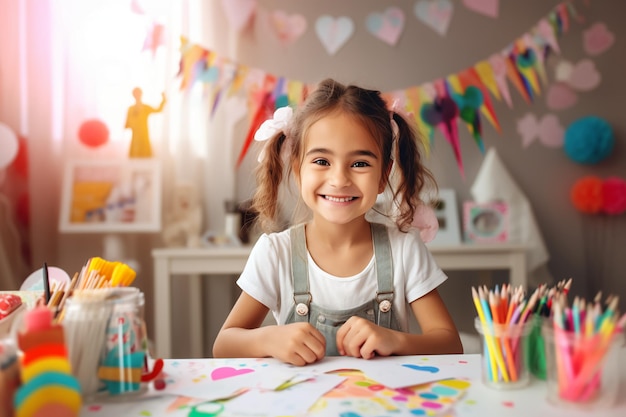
x: 360, y: 338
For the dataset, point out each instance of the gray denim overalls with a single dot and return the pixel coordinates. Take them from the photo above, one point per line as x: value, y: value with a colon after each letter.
x: 379, y: 310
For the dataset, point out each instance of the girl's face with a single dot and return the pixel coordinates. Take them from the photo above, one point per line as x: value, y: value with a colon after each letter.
x: 341, y: 172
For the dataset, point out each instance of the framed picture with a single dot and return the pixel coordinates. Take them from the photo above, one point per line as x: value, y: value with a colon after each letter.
x: 111, y: 196
x: 447, y: 212
x: 486, y: 222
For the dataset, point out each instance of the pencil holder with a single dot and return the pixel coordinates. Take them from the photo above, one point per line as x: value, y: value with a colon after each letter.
x: 504, y: 356
x: 536, y: 348
x: 85, y: 322
x: 122, y: 361
x: 582, y: 370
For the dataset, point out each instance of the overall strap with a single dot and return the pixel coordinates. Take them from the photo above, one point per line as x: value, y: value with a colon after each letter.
x: 300, y: 273
x: 384, y: 273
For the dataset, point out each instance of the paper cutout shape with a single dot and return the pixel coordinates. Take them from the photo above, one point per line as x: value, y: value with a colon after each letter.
x: 386, y: 26
x: 442, y: 114
x: 228, y: 372
x: 288, y: 27
x: 545, y: 30
x: 584, y: 76
x: 239, y: 12
x: 334, y: 32
x: 560, y: 96
x: 572, y: 78
x: 548, y: 130
x: 436, y: 14
x: 487, y: 8
x: 154, y: 38
x: 597, y: 39
x: 498, y: 66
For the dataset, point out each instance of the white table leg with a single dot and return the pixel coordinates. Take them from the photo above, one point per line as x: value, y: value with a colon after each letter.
x: 162, y: 309
x: 195, y: 318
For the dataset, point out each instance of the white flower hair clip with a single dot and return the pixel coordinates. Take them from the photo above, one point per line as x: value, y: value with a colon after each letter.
x: 269, y: 128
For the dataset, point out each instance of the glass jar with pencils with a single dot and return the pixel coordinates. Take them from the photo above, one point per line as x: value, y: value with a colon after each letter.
x: 583, y: 360
x: 504, y: 355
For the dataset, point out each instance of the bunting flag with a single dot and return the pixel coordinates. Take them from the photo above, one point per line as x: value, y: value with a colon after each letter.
x: 437, y: 106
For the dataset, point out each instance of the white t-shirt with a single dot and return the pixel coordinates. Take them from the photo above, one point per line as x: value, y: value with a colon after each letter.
x: 267, y: 276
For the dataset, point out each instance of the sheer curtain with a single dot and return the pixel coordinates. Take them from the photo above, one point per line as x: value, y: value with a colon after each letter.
x: 63, y: 62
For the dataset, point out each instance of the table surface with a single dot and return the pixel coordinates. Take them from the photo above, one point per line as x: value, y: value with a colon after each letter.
x: 476, y: 401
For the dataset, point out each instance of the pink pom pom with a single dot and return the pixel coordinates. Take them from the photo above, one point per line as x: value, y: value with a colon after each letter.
x: 614, y: 196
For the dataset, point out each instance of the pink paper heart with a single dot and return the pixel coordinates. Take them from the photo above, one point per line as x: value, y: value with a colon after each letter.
x: 560, y: 96
x: 288, y: 27
x: 597, y: 39
x: 239, y: 12
x: 386, y: 26
x: 435, y: 13
x: 228, y: 372
x: 584, y: 76
x: 334, y: 32
x: 485, y: 7
x: 548, y: 130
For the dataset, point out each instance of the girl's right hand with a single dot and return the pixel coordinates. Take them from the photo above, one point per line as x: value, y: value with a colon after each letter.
x: 297, y: 343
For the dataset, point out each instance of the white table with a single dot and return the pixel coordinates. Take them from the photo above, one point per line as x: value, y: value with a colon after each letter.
x: 478, y: 401
x: 231, y: 260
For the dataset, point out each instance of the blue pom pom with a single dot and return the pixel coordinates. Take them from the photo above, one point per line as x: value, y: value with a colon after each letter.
x: 589, y: 140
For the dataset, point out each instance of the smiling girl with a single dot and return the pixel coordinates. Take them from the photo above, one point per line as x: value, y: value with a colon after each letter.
x: 339, y: 284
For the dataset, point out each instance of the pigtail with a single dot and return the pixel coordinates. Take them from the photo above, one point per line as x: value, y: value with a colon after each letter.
x: 269, y: 176
x: 413, y: 176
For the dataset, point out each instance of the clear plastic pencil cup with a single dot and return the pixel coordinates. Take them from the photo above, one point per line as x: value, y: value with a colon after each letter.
x: 123, y: 358
x: 582, y: 371
x: 504, y: 358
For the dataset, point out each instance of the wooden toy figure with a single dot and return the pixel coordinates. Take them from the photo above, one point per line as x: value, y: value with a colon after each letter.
x: 137, y: 121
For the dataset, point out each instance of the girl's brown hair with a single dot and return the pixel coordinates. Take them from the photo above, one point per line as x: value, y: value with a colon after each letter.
x: 366, y: 106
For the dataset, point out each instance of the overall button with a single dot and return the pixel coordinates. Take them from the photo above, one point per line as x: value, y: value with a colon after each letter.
x: 321, y: 318
x: 385, y: 306
x: 302, y: 309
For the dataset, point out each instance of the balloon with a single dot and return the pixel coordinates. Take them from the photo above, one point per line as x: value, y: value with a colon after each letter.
x: 93, y: 133
x: 8, y: 146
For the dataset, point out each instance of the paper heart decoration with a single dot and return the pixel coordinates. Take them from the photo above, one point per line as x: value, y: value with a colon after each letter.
x: 288, y: 27
x: 386, y: 26
x: 560, y: 96
x: 584, y: 76
x: 334, y: 32
x: 485, y: 7
x: 548, y: 130
x: 435, y: 13
x: 239, y: 12
x: 563, y: 71
x: 597, y: 39
x: 227, y: 372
